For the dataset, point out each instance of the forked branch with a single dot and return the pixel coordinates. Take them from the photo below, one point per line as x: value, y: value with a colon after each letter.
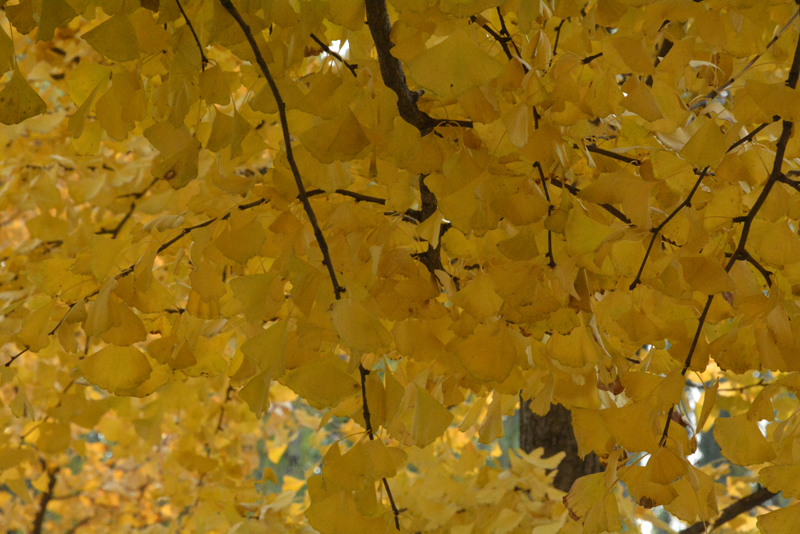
x: 686, y: 202
x: 740, y: 253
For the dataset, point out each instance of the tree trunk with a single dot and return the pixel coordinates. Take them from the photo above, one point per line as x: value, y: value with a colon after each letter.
x: 554, y: 433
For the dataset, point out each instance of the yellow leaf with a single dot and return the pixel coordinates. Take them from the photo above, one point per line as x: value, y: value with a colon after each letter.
x: 584, y: 234
x: 324, y: 382
x: 741, y: 441
x: 478, y: 298
x: 454, y: 66
x: 590, y: 501
x: 781, y: 521
x: 256, y: 394
x: 709, y: 400
x: 116, y: 369
x: 358, y: 329
x: 490, y: 353
x: 104, y: 253
x: 336, y: 140
x: 35, y: 331
x: 430, y: 420
x: 243, y: 241
x: 696, y: 500
x: 54, y: 13
x: 706, y: 275
x: 18, y: 101
x: 268, y: 348
x: 52, y: 438
x: 782, y: 478
x: 114, y: 38
x: 706, y: 147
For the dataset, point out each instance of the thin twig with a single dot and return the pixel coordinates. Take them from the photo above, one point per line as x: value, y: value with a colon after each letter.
x: 550, y: 208
x: 608, y: 207
x: 751, y: 135
x: 330, y: 52
x: 287, y: 139
x: 612, y: 155
x: 116, y: 230
x: 686, y: 202
x: 203, y: 57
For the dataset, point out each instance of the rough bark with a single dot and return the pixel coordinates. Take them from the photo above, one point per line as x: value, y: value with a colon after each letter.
x: 554, y: 433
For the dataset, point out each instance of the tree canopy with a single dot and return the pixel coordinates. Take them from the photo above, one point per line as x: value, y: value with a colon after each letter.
x: 377, y: 229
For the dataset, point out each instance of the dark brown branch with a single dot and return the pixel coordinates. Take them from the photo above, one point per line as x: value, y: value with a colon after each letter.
x: 686, y: 202
x: 589, y: 59
x: 203, y: 57
x: 687, y: 363
x: 78, y: 525
x: 608, y: 207
x: 392, y: 72
x: 330, y: 52
x: 116, y: 230
x: 431, y: 258
x: 287, y: 139
x: 745, y: 504
x: 750, y: 136
x: 558, y: 35
x: 550, y: 207
x: 364, y: 372
x: 741, y: 247
x: 140, y: 194
x: 496, y: 36
x: 44, y: 500
x: 412, y: 214
x: 17, y: 355
x: 612, y: 155
x: 504, y: 31
x: 788, y: 181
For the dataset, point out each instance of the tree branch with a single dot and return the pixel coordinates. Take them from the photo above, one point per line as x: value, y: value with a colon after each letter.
x: 745, y: 504
x: 550, y: 207
x: 741, y: 249
x: 392, y: 71
x: 686, y: 202
x: 330, y: 52
x: 364, y: 372
x: 287, y: 139
x: 203, y: 57
x: 44, y: 500
x: 608, y: 207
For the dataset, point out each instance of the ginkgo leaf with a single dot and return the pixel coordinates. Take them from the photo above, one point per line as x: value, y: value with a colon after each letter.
x: 780, y: 521
x: 430, y: 417
x: 256, y: 394
x: 115, y: 38
x: 741, y: 441
x: 592, y: 503
x: 18, y: 101
x: 782, y: 478
x: 54, y: 13
x: 323, y: 382
x: 357, y: 328
x: 116, y: 369
x: 454, y: 66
